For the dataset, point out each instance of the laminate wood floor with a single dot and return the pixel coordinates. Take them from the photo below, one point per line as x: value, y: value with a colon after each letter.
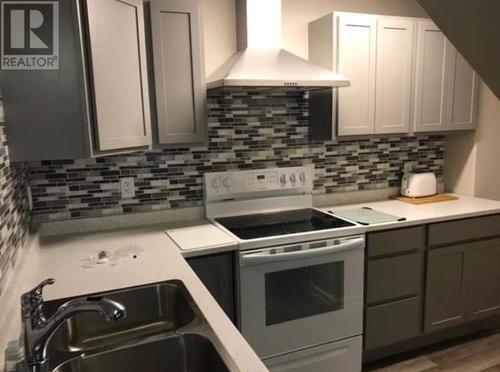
x: 476, y: 354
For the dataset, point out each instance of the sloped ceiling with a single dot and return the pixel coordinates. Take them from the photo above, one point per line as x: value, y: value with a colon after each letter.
x: 473, y: 27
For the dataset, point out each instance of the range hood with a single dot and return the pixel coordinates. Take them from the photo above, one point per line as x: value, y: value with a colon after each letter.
x: 260, y: 61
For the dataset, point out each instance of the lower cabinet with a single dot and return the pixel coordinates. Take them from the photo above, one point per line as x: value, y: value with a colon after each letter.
x: 217, y: 274
x: 483, y: 286
x: 463, y: 284
x: 445, y: 288
x: 429, y: 283
x: 393, y: 298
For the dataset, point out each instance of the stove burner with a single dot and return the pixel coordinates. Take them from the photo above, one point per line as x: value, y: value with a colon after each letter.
x: 263, y: 225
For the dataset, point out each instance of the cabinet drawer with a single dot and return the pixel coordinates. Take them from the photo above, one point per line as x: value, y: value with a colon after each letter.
x: 462, y: 230
x: 392, y: 278
x: 394, y: 241
x: 393, y: 322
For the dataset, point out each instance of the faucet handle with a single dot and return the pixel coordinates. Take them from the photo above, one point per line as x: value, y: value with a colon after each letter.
x: 36, y: 292
x: 33, y: 299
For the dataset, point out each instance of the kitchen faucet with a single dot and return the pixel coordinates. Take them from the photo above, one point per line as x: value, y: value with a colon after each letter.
x: 37, y: 329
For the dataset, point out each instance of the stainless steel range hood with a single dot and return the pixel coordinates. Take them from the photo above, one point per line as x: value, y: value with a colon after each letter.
x: 260, y: 62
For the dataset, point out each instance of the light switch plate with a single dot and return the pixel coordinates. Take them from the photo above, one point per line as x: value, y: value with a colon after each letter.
x: 127, y: 186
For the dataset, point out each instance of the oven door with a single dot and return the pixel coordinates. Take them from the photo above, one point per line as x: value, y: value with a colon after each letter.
x: 301, y: 295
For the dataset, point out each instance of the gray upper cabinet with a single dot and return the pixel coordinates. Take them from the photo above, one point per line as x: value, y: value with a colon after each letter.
x: 97, y: 102
x: 119, y: 75
x: 179, y: 71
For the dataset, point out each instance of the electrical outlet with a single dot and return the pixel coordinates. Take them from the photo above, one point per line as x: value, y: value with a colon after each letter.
x: 127, y: 187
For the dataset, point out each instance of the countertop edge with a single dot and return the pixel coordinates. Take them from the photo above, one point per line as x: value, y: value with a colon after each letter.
x: 401, y: 224
x: 377, y: 205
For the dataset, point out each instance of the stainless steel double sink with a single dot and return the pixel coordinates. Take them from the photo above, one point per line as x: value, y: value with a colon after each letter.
x: 164, y: 331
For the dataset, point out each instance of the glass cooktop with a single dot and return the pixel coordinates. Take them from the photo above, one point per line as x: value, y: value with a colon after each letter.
x: 264, y: 225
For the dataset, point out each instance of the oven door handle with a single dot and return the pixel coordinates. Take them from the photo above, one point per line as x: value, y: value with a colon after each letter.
x: 262, y: 257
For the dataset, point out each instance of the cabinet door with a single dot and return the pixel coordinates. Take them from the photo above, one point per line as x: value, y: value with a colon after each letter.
x: 431, y: 79
x: 356, y: 58
x: 462, y: 92
x: 445, y: 288
x: 216, y: 273
x: 179, y: 73
x: 392, y: 322
x: 394, y: 75
x: 483, y: 283
x: 119, y: 76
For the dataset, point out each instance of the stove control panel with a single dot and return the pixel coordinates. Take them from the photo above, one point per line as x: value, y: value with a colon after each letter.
x: 257, y: 182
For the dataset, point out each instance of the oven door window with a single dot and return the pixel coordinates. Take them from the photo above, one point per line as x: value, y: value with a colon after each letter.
x: 304, y: 292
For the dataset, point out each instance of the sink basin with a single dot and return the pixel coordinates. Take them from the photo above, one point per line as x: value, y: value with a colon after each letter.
x: 179, y: 353
x: 153, y: 309
x: 164, y: 331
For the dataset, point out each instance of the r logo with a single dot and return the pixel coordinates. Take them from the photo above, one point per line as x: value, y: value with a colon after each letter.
x: 30, y: 35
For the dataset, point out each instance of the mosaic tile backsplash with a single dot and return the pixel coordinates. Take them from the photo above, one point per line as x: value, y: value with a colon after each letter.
x: 247, y: 129
x: 14, y: 211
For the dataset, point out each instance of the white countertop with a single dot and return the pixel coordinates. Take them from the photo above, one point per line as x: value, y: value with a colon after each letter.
x: 71, y: 260
x: 464, y: 207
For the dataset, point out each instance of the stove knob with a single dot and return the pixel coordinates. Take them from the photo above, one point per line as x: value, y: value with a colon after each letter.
x: 226, y: 182
x: 215, y: 183
x: 283, y: 178
x: 302, y: 177
x: 293, y: 178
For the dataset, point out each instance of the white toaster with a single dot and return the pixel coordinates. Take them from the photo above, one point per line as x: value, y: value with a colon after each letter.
x: 416, y: 185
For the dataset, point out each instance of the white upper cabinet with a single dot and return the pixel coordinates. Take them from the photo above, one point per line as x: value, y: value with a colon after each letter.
x: 431, y: 78
x: 119, y: 75
x: 376, y: 54
x: 405, y: 76
x: 445, y: 84
x: 179, y: 71
x: 394, y: 75
x: 356, y: 58
x: 463, y: 92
